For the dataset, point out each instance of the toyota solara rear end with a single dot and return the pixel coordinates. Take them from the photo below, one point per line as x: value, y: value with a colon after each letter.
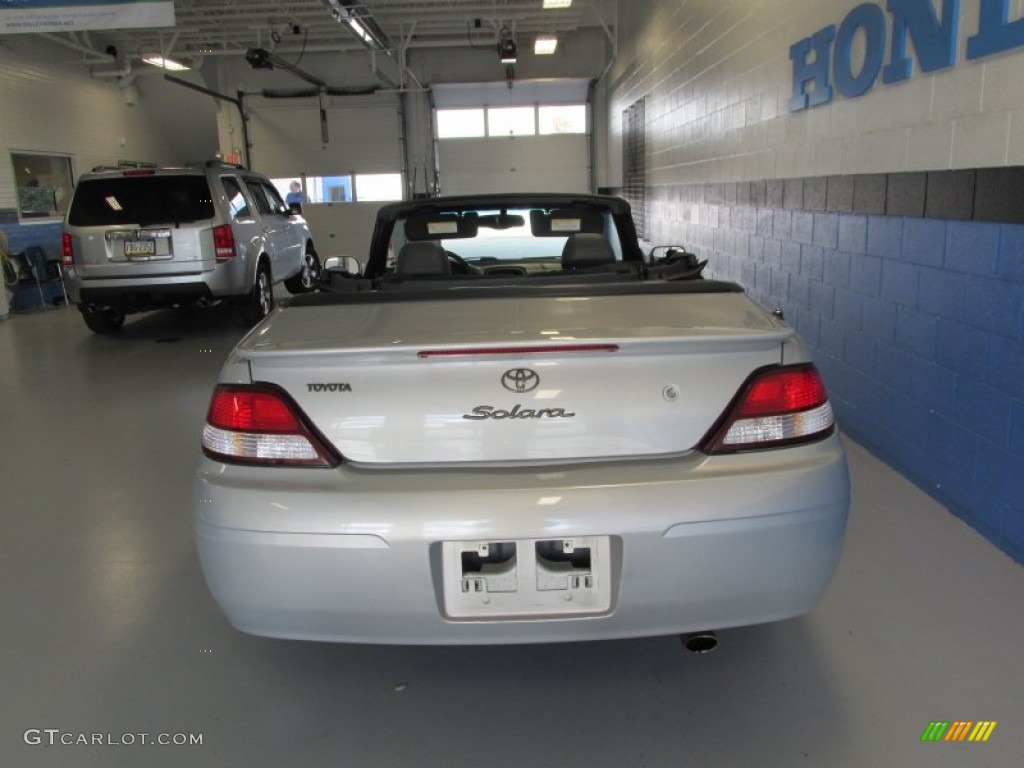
x: 474, y: 458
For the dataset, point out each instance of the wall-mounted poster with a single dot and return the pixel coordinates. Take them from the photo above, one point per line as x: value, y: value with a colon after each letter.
x: 28, y: 16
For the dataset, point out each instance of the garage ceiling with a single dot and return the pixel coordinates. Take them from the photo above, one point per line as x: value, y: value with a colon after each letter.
x: 230, y: 27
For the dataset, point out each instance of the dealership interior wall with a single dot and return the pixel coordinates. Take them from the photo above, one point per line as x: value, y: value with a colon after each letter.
x: 887, y: 225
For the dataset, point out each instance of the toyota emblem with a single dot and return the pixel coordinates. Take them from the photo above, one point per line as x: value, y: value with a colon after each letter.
x: 520, y: 380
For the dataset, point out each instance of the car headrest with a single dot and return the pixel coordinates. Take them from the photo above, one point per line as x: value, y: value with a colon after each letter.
x: 422, y: 257
x: 584, y: 250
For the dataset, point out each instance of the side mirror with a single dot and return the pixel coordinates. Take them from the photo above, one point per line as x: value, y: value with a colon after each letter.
x: 349, y: 265
x: 672, y: 254
x: 294, y: 209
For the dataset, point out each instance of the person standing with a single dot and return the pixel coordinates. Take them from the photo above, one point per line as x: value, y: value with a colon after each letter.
x: 294, y: 196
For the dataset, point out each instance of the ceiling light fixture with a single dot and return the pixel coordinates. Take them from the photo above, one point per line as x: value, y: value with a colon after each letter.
x: 165, y: 63
x: 545, y: 45
x: 360, y: 21
x: 360, y: 31
x: 557, y: 3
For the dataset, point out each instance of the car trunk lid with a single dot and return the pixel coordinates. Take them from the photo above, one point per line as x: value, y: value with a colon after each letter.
x: 516, y: 379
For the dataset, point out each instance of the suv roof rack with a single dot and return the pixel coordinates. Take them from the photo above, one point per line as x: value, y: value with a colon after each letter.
x: 123, y: 165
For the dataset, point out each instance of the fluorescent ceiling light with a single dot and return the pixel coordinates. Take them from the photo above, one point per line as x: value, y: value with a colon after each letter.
x: 545, y: 45
x: 164, y: 63
x: 557, y: 3
x: 357, y: 17
x: 360, y: 31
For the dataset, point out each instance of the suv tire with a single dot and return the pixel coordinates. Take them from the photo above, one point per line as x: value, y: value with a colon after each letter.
x: 307, y: 277
x: 261, y: 299
x: 103, y: 320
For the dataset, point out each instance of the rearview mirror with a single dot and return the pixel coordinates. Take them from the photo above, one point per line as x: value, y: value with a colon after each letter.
x: 502, y: 221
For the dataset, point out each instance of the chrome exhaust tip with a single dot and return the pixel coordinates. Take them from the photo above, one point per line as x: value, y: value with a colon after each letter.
x: 700, y: 642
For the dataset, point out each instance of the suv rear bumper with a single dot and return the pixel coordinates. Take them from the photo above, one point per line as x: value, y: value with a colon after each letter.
x: 141, y: 293
x: 141, y: 297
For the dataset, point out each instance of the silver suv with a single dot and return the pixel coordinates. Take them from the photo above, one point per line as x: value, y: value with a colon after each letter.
x: 137, y: 239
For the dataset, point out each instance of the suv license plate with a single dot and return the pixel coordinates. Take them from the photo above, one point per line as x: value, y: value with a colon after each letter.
x: 139, y: 248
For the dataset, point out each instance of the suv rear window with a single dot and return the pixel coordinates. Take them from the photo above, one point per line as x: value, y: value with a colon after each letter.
x: 141, y: 200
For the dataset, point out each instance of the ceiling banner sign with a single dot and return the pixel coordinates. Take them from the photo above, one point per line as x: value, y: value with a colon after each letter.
x: 26, y: 16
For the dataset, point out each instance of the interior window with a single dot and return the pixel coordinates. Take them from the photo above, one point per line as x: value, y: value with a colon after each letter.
x: 460, y: 123
x: 378, y: 187
x: 44, y: 184
x: 511, y: 121
x: 562, y: 118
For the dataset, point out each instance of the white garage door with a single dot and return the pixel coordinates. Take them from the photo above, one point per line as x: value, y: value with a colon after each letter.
x: 557, y: 162
x: 361, y: 139
x: 520, y: 164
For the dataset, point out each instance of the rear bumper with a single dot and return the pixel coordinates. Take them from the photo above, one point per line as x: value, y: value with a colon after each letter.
x: 355, y: 556
x: 144, y: 292
x: 142, y: 297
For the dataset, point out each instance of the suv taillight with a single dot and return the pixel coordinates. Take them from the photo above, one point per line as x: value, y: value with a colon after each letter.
x: 261, y: 424
x: 67, y: 252
x: 781, y: 405
x: 224, y: 242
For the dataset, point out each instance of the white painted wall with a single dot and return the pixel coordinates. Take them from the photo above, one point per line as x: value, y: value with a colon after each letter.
x: 363, y: 137
x: 718, y: 77
x: 49, y: 103
x: 367, y: 131
x: 342, y: 229
x: 364, y: 130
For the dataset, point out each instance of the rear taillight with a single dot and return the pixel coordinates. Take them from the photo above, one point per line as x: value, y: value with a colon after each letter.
x: 260, y: 424
x: 776, y: 406
x: 67, y: 252
x: 224, y: 242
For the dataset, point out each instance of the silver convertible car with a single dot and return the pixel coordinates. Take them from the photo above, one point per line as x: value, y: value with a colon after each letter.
x: 512, y: 425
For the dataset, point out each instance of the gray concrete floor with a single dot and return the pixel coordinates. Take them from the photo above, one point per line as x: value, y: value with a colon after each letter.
x: 107, y: 626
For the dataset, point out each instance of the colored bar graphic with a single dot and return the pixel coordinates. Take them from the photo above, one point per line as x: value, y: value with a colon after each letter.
x: 958, y: 730
x: 935, y: 731
x: 982, y: 730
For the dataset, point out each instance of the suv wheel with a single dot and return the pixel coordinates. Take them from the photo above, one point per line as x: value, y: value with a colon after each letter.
x: 305, y: 280
x: 103, y: 320
x: 261, y: 299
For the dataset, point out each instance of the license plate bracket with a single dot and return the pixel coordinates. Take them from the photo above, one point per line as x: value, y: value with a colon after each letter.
x: 527, y: 578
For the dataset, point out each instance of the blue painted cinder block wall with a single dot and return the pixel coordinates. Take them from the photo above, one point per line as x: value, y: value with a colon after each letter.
x: 918, y: 327
x: 21, y: 236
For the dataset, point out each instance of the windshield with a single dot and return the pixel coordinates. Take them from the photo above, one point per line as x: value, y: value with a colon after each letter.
x: 141, y: 200
x: 508, y: 241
